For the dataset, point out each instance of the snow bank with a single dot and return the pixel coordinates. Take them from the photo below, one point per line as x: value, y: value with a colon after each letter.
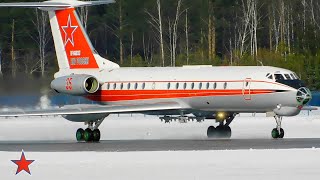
x: 239, y: 164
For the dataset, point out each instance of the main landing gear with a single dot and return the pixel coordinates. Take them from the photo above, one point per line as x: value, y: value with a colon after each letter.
x: 277, y: 132
x: 90, y: 134
x: 221, y: 131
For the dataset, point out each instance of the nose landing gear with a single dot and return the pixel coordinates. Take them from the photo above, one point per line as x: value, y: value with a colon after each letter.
x: 277, y: 132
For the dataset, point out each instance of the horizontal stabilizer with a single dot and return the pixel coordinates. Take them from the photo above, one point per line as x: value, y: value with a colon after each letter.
x: 55, y: 4
x: 309, y: 108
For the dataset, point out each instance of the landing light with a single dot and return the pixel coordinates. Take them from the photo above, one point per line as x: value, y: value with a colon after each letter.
x: 221, y: 115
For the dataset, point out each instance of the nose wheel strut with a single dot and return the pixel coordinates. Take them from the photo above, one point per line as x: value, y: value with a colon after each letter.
x: 277, y: 132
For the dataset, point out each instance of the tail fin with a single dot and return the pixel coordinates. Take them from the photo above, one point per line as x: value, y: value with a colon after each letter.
x: 73, y: 46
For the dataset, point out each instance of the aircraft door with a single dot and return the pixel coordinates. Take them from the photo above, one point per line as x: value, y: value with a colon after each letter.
x: 246, y: 90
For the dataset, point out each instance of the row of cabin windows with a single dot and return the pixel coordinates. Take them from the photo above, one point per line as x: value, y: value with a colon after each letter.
x: 177, y: 86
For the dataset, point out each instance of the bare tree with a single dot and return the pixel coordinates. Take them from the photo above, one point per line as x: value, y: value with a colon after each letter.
x: 211, y: 32
x: 83, y: 13
x: 120, y: 29
x: 244, y: 29
x: 173, y: 33
x: 131, y: 48
x: 187, y: 37
x: 147, y: 49
x: 1, y: 74
x: 156, y: 22
x: 13, y: 58
x: 41, y: 38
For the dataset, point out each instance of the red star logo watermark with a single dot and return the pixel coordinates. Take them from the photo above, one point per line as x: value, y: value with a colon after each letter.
x: 69, y: 30
x: 23, y: 164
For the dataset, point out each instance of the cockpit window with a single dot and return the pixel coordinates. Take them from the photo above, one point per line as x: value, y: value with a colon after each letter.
x: 279, y: 77
x: 297, y: 77
x: 269, y: 76
x: 287, y: 76
x: 292, y: 76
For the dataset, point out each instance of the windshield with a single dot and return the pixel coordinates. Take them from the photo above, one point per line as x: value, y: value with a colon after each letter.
x: 289, y: 79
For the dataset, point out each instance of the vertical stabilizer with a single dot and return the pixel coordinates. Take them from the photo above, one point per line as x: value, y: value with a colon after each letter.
x: 73, y: 46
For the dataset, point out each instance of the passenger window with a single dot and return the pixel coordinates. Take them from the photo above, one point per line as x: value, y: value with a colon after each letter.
x: 215, y: 85
x: 136, y: 86
x: 225, y: 85
x: 143, y: 85
x: 108, y: 86
x: 208, y: 85
x: 168, y: 86
x: 128, y: 86
x: 115, y: 86
x: 153, y: 86
x: 192, y: 86
x: 200, y: 85
x: 185, y: 86
x: 121, y: 86
x: 177, y: 86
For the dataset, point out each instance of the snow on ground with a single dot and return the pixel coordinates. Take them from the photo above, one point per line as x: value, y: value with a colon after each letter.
x: 194, y: 165
x: 198, y: 165
x: 150, y: 127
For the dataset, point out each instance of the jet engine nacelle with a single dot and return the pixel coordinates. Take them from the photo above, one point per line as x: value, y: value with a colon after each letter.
x: 79, y: 84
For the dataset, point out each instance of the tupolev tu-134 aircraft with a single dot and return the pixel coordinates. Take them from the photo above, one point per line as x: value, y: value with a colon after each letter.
x: 173, y: 93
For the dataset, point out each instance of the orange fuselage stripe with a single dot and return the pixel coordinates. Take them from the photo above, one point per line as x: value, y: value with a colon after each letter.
x: 130, y: 95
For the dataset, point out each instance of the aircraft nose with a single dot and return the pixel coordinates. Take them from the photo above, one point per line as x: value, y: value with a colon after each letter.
x: 303, y: 96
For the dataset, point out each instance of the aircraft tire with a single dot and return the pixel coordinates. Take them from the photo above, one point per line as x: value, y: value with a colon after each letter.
x: 227, y: 132
x: 96, y: 135
x: 211, y: 132
x: 223, y: 132
x: 275, y: 133
x: 281, y: 135
x: 88, y: 135
x: 80, y: 135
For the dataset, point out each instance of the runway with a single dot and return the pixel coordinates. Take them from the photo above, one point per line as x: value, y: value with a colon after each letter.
x: 159, y: 145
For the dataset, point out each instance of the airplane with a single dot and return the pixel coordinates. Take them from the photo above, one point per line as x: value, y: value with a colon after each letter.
x: 172, y: 93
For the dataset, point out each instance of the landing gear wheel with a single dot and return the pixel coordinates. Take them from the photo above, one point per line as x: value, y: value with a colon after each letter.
x: 220, y: 131
x: 227, y: 132
x: 96, y: 135
x: 80, y: 134
x: 211, y: 132
x: 275, y: 133
x: 281, y: 133
x: 223, y: 131
x: 88, y: 135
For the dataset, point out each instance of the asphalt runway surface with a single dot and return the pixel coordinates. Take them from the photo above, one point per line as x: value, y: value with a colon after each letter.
x: 159, y: 145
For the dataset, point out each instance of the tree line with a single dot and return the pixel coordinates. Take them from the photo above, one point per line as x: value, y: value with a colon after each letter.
x: 282, y: 33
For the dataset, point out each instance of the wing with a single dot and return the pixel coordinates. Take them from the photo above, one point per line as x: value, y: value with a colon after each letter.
x: 91, y: 109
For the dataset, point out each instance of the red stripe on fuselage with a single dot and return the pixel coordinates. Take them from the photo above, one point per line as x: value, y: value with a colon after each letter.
x: 130, y: 95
